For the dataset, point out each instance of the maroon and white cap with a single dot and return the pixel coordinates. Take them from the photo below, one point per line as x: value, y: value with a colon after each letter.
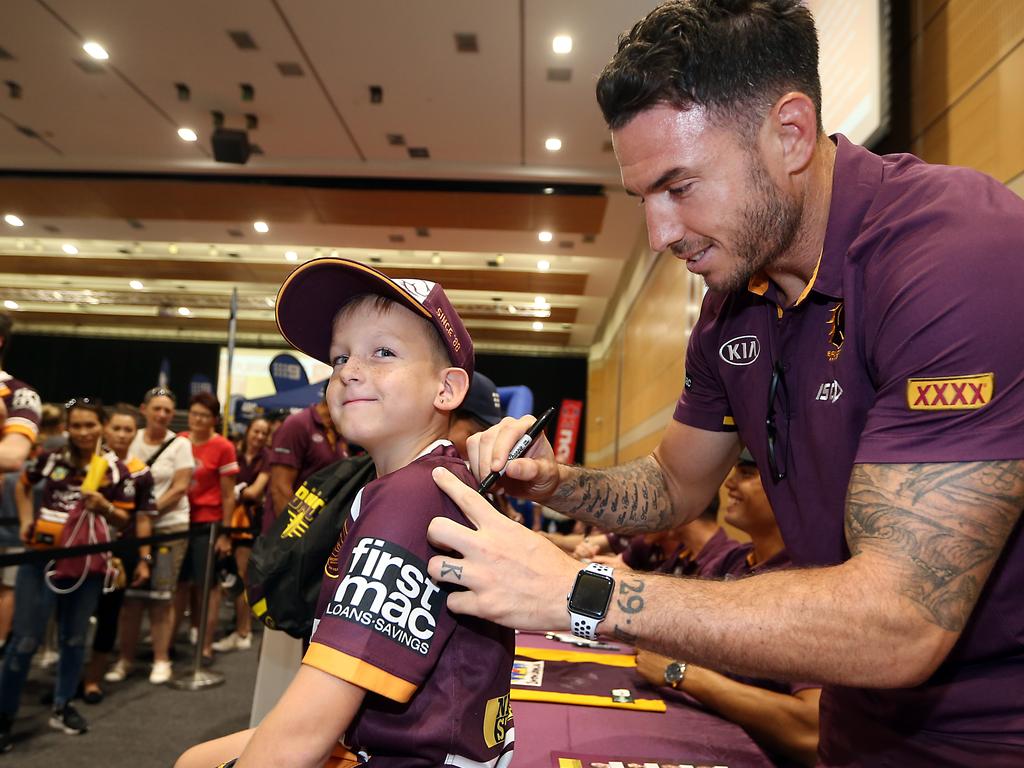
x: 311, y: 296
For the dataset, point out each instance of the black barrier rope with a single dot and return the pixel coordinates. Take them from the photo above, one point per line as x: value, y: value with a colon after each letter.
x: 117, y: 547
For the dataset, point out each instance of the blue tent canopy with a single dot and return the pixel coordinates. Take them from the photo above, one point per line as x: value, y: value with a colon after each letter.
x: 291, y: 399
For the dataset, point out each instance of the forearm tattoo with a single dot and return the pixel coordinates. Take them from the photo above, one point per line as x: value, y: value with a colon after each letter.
x: 943, y: 525
x: 629, y: 499
x: 630, y: 602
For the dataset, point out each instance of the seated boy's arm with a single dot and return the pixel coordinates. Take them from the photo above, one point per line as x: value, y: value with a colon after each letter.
x: 305, y: 725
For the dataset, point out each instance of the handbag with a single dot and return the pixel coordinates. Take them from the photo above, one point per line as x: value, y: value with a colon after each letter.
x: 83, y: 526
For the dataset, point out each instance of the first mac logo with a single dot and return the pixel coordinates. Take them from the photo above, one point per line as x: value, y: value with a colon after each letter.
x: 386, y: 589
x: 742, y: 350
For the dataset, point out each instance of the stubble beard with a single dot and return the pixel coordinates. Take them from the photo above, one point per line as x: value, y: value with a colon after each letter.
x: 768, y: 226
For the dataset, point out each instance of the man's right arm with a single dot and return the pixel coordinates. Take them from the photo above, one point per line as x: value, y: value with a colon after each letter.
x: 282, y: 485
x: 669, y: 487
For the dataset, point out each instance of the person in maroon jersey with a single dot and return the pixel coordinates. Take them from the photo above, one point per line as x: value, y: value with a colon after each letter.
x: 389, y: 670
x: 62, y: 472
x: 20, y: 410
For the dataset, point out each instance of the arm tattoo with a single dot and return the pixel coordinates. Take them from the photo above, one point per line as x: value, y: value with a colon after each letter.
x: 627, y: 499
x: 942, y: 525
x: 631, y: 605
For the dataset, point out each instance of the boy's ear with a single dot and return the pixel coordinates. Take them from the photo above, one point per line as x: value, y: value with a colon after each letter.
x: 454, y: 386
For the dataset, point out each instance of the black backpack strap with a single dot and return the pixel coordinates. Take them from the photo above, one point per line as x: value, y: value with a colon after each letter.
x: 152, y: 459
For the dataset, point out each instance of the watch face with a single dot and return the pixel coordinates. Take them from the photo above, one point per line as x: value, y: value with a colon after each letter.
x: 673, y: 673
x: 591, y: 594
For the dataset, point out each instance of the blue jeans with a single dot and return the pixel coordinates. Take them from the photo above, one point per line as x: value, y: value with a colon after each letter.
x: 33, y: 605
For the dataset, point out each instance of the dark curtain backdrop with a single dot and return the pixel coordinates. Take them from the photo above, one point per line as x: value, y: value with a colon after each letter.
x: 62, y: 367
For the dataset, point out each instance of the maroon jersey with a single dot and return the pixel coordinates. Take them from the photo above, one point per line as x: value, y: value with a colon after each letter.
x: 437, y: 684
x: 62, y: 491
x: 23, y: 408
x: 138, y: 489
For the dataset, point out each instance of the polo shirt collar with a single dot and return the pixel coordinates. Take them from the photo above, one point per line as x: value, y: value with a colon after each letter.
x: 855, y: 180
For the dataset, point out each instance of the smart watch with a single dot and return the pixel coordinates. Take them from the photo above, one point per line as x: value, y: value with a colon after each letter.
x: 675, y: 673
x: 589, y: 599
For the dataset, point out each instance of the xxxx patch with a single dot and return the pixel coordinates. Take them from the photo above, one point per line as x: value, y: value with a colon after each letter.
x: 953, y: 393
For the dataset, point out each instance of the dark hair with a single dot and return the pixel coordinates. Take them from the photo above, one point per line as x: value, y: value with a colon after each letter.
x: 159, y: 392
x: 207, y: 400
x: 124, y: 409
x: 92, y: 404
x: 710, y: 512
x: 734, y: 57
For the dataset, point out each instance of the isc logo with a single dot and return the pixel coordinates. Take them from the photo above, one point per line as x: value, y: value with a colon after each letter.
x: 743, y: 350
x: 386, y: 589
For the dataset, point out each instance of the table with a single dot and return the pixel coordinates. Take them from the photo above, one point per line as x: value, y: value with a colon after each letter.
x: 684, y: 731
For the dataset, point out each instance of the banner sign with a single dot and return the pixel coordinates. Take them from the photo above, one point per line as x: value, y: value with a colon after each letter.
x: 568, y: 431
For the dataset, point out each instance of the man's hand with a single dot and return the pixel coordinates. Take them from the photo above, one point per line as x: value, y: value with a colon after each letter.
x: 96, y: 502
x: 511, y: 575
x: 533, y: 476
x: 651, y: 666
x: 585, y: 550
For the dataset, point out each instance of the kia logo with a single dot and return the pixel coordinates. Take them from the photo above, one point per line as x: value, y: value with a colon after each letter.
x: 743, y: 350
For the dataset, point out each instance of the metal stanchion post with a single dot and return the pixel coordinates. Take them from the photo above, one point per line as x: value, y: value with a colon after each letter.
x: 201, y: 678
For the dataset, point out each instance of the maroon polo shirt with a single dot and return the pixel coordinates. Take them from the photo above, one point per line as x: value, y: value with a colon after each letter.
x: 306, y: 444
x: 437, y: 683
x: 901, y: 350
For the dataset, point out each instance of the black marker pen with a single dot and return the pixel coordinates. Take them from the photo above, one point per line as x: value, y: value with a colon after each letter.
x: 519, y: 448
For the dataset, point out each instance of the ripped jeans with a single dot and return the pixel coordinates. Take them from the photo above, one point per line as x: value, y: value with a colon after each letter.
x: 33, y: 605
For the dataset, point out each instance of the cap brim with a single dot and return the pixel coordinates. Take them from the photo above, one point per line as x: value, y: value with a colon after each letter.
x: 311, y: 296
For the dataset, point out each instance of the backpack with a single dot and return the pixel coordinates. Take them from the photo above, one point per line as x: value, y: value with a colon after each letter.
x: 287, y: 563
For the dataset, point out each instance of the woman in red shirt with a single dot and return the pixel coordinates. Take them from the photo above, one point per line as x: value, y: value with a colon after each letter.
x: 211, y: 499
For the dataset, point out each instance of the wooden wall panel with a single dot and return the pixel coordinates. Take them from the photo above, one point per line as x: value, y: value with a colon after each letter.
x: 955, y: 50
x: 655, y: 344
x: 601, y: 409
x: 641, y: 447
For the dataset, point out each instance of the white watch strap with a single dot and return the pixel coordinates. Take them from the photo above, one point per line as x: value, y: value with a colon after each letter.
x: 584, y: 626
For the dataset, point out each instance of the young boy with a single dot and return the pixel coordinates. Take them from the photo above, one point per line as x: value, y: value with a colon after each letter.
x: 389, y: 671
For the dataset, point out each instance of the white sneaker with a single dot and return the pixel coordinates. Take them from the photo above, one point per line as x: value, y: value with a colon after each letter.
x: 233, y: 642
x: 160, y: 673
x: 193, y: 635
x: 118, y: 672
x: 48, y: 658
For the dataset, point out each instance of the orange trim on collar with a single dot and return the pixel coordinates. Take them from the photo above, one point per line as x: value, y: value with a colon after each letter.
x: 810, y: 283
x: 758, y: 284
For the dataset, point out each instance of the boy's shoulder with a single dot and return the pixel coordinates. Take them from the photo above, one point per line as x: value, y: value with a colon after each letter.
x: 417, y: 473
x: 412, y: 487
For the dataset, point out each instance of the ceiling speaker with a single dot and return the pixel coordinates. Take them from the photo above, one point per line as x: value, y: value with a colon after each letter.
x: 231, y: 146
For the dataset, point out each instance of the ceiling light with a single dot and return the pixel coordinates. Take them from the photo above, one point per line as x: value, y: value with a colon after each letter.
x: 553, y: 144
x: 96, y: 50
x: 213, y: 250
x: 69, y: 249
x: 11, y: 304
x: 136, y: 284
x: 538, y: 325
x: 270, y: 301
x: 512, y: 309
x: 334, y: 254
x: 184, y: 311
x: 261, y: 227
x: 291, y: 255
x: 549, y: 190
x: 562, y: 44
x: 543, y: 265
x: 540, y: 301
x: 13, y: 220
x: 172, y: 249
x: 435, y: 259
x: 187, y: 134
x: 544, y: 237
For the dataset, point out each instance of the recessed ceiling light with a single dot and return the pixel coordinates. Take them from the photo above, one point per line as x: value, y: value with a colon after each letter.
x: 553, y: 144
x: 96, y: 50
x: 435, y: 259
x: 512, y: 309
x: 172, y: 249
x: 187, y: 134
x: 562, y: 44
x: 538, y: 325
x: 334, y: 254
x: 13, y: 220
x: 136, y: 284
x: 543, y: 265
x: 540, y: 301
x: 270, y: 301
x: 291, y: 255
x: 544, y: 237
x: 549, y: 190
x: 11, y: 304
x: 213, y: 250
x: 184, y: 311
x: 69, y: 249
x: 261, y: 226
